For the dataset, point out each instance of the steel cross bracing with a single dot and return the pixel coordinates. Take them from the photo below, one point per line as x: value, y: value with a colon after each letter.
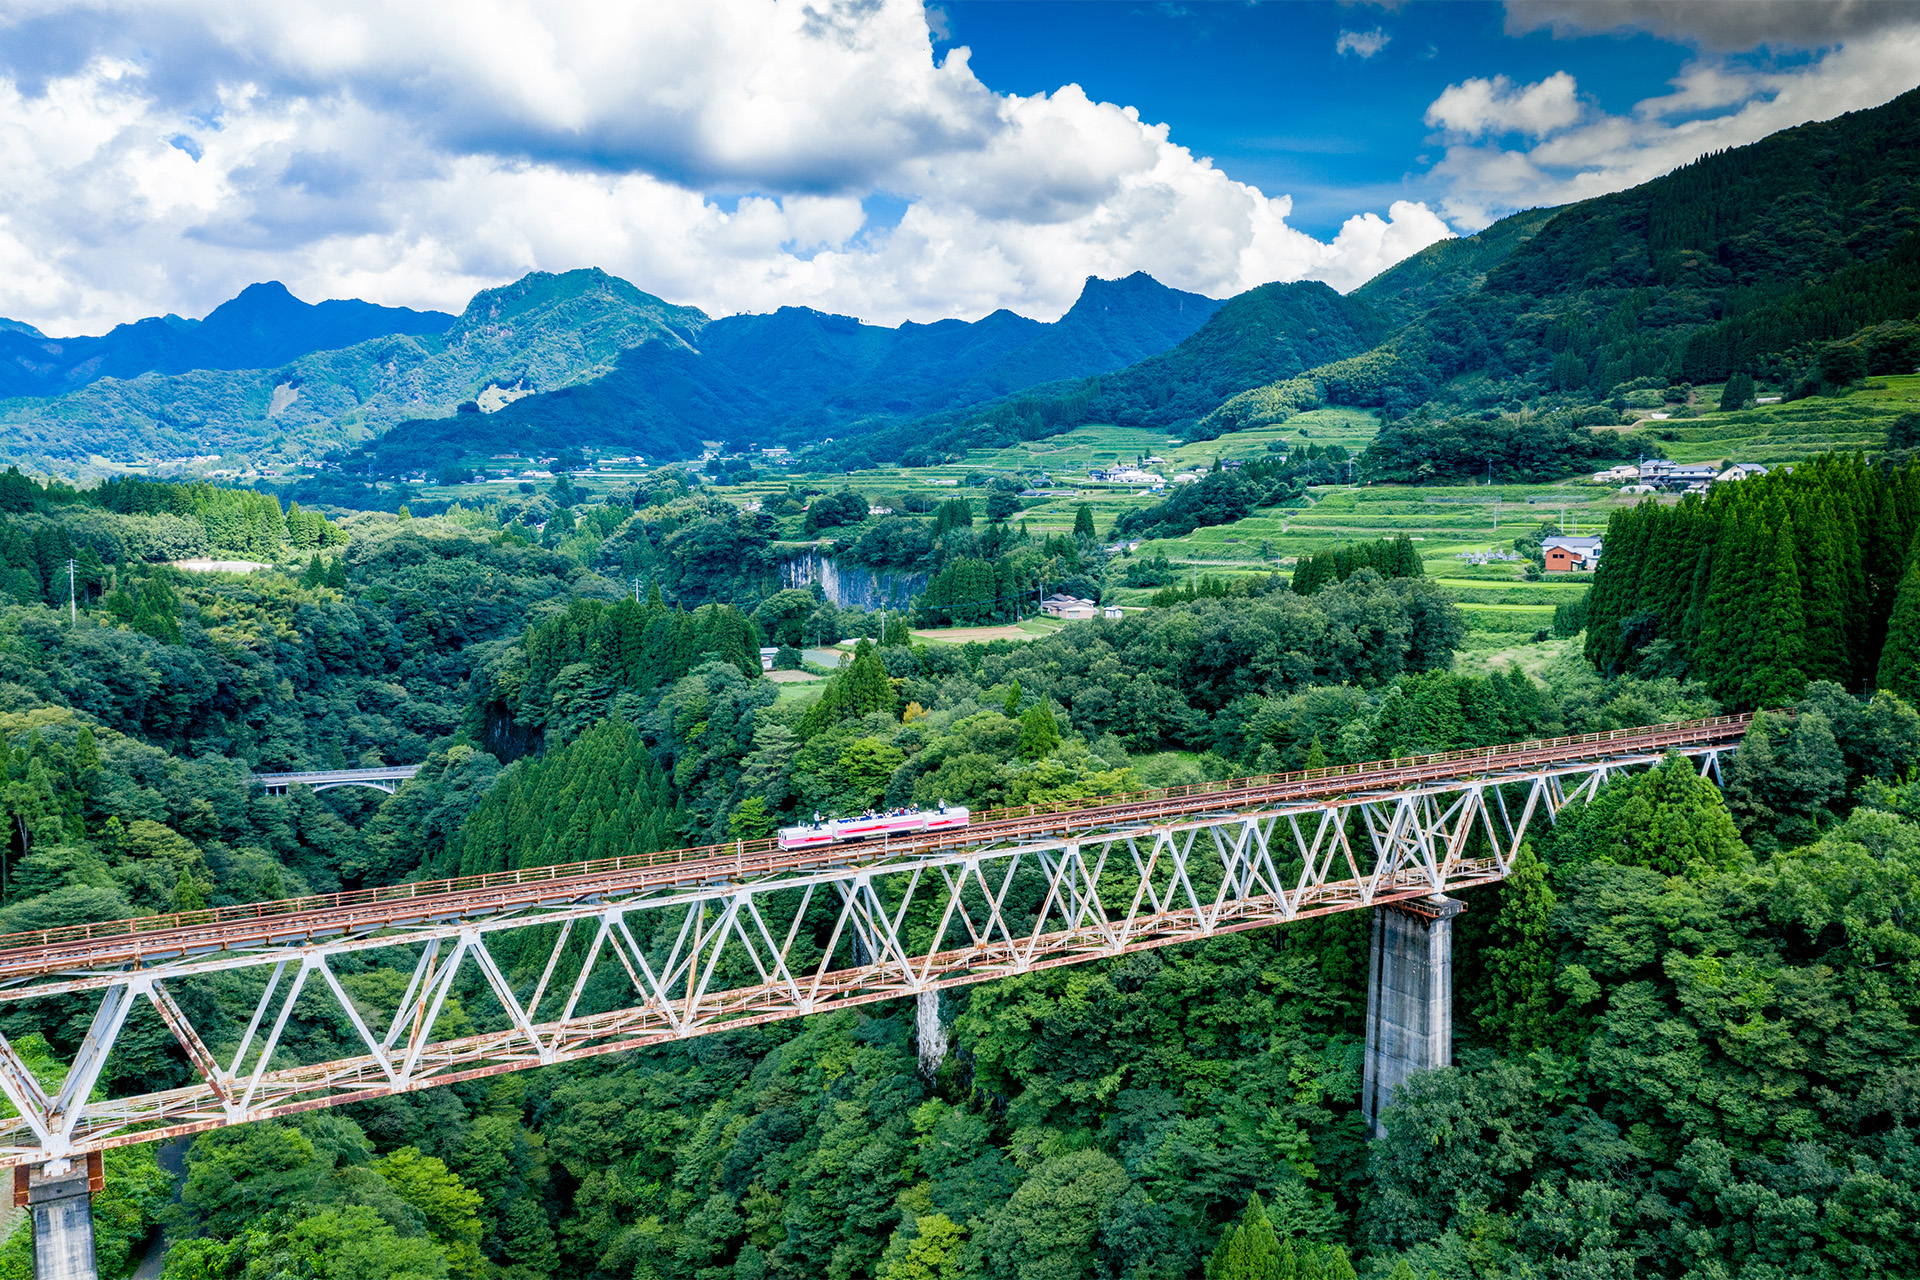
x: 593, y: 963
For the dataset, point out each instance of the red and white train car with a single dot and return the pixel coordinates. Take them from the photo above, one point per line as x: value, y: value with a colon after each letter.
x: 872, y: 826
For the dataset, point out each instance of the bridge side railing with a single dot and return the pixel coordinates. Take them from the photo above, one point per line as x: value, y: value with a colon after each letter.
x: 383, y: 773
x: 1400, y: 769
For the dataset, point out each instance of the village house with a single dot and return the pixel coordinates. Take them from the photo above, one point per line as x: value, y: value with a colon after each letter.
x: 1674, y: 476
x: 1567, y: 554
x: 1072, y: 608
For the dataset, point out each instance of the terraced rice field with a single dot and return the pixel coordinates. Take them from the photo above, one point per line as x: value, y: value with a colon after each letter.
x: 1788, y: 432
x: 1448, y: 522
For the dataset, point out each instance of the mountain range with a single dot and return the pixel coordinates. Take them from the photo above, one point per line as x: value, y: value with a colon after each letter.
x: 1747, y: 260
x: 265, y: 325
x: 799, y: 375
x: 596, y: 360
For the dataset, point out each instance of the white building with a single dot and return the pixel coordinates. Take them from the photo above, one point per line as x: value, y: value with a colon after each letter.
x: 1564, y: 554
x: 1072, y: 608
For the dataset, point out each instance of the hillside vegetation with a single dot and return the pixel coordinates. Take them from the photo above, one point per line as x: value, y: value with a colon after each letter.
x: 799, y: 375
x: 579, y: 358
x: 1736, y: 262
x: 265, y: 325
x: 543, y: 330
x: 1792, y: 261
x: 1163, y: 1116
x: 1266, y: 334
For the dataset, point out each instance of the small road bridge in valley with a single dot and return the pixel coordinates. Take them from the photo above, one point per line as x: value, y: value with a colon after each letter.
x: 554, y: 964
x: 386, y: 778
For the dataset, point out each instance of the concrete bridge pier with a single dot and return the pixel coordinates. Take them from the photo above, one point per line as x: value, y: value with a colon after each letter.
x: 1409, y: 998
x: 59, y: 1196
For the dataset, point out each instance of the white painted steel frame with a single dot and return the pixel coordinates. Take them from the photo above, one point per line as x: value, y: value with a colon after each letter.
x: 1182, y: 880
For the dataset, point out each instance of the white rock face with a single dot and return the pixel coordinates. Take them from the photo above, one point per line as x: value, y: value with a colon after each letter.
x: 932, y: 1034
x: 497, y: 397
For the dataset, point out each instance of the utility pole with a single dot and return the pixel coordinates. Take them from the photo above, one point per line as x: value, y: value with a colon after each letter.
x: 73, y: 598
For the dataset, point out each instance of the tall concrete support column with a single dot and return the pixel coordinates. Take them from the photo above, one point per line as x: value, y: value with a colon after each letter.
x: 1409, y: 998
x: 60, y: 1199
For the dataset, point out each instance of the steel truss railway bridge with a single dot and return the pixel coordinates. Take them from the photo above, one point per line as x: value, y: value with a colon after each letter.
x: 554, y: 964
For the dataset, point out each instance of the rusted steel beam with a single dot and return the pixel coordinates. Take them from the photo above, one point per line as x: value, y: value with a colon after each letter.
x: 151, y: 938
x: 732, y: 934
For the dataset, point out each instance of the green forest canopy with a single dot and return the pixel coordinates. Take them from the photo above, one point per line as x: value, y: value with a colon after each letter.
x: 1111, y: 1120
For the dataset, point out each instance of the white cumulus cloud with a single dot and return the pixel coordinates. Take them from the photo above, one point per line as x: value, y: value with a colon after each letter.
x: 164, y: 153
x: 1720, y: 24
x: 1361, y: 44
x: 1477, y: 107
x: 1568, y: 152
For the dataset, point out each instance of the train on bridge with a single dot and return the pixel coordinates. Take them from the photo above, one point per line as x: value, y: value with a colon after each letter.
x: 731, y: 936
x: 872, y: 826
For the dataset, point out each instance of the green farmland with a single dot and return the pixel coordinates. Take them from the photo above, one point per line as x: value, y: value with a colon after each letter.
x: 1448, y: 523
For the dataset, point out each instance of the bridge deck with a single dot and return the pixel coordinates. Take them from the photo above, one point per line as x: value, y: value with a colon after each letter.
x: 320, y: 779
x: 152, y: 939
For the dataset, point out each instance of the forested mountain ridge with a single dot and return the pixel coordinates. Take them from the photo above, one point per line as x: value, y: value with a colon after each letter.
x: 1450, y: 267
x: 1741, y: 261
x: 262, y: 326
x: 672, y: 375
x: 1275, y: 331
x: 797, y: 375
x: 805, y: 356
x: 542, y: 330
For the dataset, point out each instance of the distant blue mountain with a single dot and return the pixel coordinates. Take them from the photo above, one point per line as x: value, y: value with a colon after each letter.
x: 264, y: 326
x: 800, y: 356
x: 797, y: 374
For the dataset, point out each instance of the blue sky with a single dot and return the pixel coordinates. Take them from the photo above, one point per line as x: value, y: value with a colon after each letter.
x: 1262, y: 90
x: 889, y: 159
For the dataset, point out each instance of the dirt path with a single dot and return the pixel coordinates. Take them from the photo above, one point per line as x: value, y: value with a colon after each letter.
x: 962, y: 635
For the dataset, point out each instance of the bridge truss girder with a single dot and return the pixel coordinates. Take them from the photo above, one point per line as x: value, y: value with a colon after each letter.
x: 670, y: 963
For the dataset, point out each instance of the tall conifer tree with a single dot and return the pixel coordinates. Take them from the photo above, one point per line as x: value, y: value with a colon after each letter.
x: 1822, y: 593
x: 1520, y: 958
x: 1775, y: 671
x: 1900, y: 657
